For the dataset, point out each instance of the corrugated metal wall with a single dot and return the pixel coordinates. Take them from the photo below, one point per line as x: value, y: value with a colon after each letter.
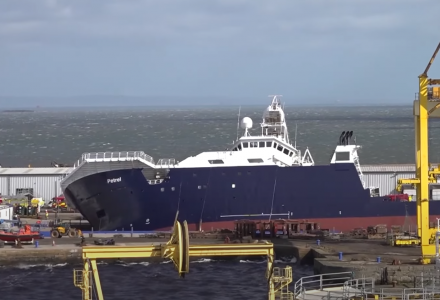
x: 386, y: 182
x: 42, y: 185
x: 3, y: 185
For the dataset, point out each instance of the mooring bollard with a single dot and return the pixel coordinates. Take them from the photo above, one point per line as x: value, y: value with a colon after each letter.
x: 36, y: 244
x: 378, y: 259
x: 318, y: 242
x: 340, y: 255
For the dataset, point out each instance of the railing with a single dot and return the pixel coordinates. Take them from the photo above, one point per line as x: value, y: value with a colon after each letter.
x: 435, y: 96
x: 166, y: 162
x: 320, y: 282
x: 318, y: 287
x: 126, y: 155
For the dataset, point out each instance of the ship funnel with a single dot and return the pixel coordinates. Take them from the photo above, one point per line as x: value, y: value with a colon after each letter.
x: 341, y: 138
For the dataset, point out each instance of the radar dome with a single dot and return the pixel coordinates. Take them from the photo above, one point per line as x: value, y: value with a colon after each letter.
x: 246, y: 123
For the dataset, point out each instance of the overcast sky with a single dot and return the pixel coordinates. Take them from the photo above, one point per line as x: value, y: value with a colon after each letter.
x: 331, y: 50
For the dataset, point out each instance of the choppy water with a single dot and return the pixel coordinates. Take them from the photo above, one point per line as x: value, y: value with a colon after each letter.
x: 214, y: 280
x: 386, y: 133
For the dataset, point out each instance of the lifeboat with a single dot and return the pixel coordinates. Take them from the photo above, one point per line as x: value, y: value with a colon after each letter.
x: 24, y: 235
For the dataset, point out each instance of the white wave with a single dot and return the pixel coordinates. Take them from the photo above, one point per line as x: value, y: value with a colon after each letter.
x: 144, y: 263
x: 26, y: 266
x: 166, y: 261
x: 252, y: 261
x: 203, y: 260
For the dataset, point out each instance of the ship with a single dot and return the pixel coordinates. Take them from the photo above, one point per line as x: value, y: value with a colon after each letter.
x: 259, y: 177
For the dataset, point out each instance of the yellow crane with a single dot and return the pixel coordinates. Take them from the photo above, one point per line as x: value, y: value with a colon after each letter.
x: 424, y: 107
x: 179, y: 250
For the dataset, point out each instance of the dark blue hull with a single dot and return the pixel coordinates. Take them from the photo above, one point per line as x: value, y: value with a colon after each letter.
x: 214, y: 197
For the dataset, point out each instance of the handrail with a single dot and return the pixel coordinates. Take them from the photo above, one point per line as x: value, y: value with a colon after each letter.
x: 319, y: 282
x: 360, y: 287
x: 124, y: 155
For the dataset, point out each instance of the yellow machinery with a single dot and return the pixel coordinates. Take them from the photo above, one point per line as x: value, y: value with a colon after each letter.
x: 63, y: 229
x: 179, y: 251
x: 424, y: 107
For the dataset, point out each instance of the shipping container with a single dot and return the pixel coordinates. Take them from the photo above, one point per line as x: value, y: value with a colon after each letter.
x: 6, y: 212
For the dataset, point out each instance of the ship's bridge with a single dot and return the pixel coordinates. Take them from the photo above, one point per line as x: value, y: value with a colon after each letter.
x: 247, y: 151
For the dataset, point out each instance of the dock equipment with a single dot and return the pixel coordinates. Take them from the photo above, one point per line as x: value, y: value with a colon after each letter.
x: 425, y: 106
x: 179, y: 251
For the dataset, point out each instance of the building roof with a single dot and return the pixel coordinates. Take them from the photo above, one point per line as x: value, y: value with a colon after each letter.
x: 34, y: 171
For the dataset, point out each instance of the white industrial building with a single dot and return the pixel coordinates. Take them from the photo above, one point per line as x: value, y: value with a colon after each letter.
x: 39, y: 182
x: 385, y: 178
x: 6, y: 212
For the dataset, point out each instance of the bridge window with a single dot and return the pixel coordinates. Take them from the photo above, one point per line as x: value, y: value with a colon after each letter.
x: 343, y: 156
x: 268, y: 144
x: 253, y: 144
x: 275, y: 145
x: 255, y: 160
x: 280, y: 148
x: 291, y: 153
x: 261, y: 144
x: 245, y: 145
x: 286, y: 151
x: 239, y: 146
x: 216, y: 162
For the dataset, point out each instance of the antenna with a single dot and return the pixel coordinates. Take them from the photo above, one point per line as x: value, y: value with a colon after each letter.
x: 296, y: 130
x: 238, y: 121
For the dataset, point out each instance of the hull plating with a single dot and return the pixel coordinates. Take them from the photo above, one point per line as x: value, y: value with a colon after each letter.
x: 332, y: 195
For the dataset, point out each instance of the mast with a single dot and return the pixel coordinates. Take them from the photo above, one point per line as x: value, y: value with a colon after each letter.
x: 274, y: 123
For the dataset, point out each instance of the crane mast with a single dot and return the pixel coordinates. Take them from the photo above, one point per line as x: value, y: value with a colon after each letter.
x: 425, y: 106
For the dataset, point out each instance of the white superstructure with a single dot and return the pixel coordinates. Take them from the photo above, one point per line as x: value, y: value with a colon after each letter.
x: 270, y: 147
x: 346, y: 152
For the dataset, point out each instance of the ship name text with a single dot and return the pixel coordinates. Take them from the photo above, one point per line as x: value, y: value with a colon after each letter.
x: 113, y: 180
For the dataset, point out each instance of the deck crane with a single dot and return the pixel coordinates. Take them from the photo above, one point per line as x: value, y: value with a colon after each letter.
x: 425, y: 106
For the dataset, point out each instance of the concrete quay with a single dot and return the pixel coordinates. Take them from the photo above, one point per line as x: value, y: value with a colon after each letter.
x: 398, y: 265
x: 69, y: 250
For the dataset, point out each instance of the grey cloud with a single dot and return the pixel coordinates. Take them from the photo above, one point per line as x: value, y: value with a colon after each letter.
x: 244, y: 23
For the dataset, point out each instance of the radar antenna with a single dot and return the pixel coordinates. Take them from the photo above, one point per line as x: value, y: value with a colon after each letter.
x: 238, y: 121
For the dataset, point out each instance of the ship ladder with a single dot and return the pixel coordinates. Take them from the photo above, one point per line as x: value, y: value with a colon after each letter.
x: 281, y: 278
x: 82, y: 280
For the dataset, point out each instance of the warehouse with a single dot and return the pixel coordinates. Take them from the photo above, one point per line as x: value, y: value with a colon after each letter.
x: 385, y: 178
x: 39, y: 182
